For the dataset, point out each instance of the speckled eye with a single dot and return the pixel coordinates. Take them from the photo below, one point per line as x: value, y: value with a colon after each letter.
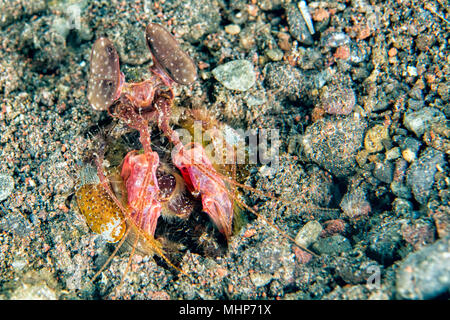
x: 168, y: 54
x: 104, y: 75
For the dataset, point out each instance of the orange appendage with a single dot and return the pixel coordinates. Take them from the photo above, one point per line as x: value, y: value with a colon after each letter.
x: 102, y: 214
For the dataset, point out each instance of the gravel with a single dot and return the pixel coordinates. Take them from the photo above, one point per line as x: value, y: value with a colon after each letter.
x: 360, y: 108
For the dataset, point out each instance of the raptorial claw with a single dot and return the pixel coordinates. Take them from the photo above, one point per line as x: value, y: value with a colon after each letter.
x: 139, y: 175
x: 201, y: 178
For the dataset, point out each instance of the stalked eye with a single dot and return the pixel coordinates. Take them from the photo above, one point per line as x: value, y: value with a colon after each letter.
x: 168, y: 54
x: 104, y: 75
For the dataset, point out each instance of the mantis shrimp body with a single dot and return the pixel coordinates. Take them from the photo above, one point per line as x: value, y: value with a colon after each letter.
x: 152, y: 189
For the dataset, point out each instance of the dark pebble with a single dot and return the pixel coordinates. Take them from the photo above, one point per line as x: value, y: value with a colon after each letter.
x: 425, y: 274
x: 420, y: 177
x: 297, y: 25
x: 332, y: 245
x: 286, y: 80
x: 384, y: 242
x: 384, y: 171
x: 333, y: 143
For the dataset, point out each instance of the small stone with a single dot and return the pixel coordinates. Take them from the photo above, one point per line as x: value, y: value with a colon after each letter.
x: 333, y: 227
x: 385, y: 241
x: 374, y: 138
x: 393, y: 153
x: 425, y: 274
x: 333, y: 143
x: 354, y: 204
x: 418, y: 233
x: 421, y: 121
x: 320, y: 14
x: 392, y: 52
x: 400, y: 190
x: 444, y: 91
x: 309, y: 233
x: 337, y: 99
x: 236, y: 75
x: 332, y: 245
x: 297, y: 25
x: 415, y: 104
x: 441, y: 217
x: 286, y: 80
x: 420, y: 176
x: 402, y: 207
x: 260, y: 279
x: 342, y: 53
x: 410, y: 147
x: 275, y: 54
x: 412, y: 71
x: 284, y: 41
x: 424, y: 41
x: 302, y: 256
x: 335, y: 39
x: 384, y: 171
x: 232, y: 29
x: 408, y: 155
x: 6, y: 186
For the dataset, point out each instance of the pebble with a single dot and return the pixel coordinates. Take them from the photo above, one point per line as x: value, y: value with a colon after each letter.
x: 335, y: 39
x: 420, y: 176
x: 198, y: 17
x: 260, y: 279
x: 332, y: 245
x: 402, y: 207
x: 232, y: 29
x: 384, y: 171
x: 392, y: 52
x: 425, y: 274
x: 286, y: 80
x: 425, y: 41
x: 393, y: 153
x: 297, y: 25
x: 421, y: 121
x: 400, y: 190
x: 275, y: 54
x: 354, y: 204
x: 309, y: 233
x: 236, y: 75
x: 410, y: 147
x: 15, y: 223
x: 333, y: 143
x: 374, y: 138
x: 415, y: 104
x: 385, y: 241
x: 6, y: 186
x: 412, y: 71
x: 337, y: 99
